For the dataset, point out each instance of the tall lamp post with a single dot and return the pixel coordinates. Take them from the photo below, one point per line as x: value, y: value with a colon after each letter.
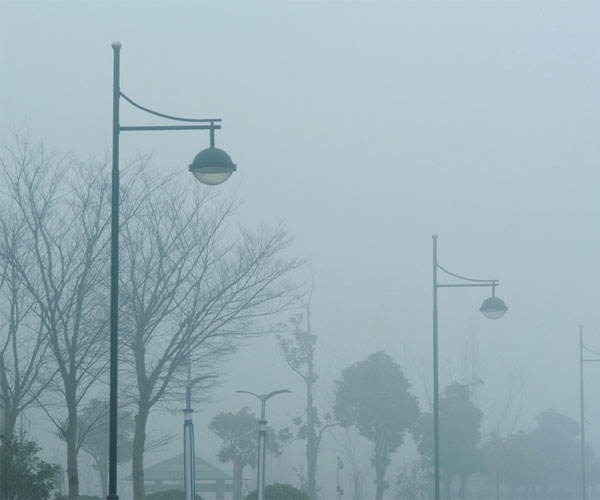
x: 582, y: 360
x: 211, y: 166
x: 492, y: 308
x: 262, y: 437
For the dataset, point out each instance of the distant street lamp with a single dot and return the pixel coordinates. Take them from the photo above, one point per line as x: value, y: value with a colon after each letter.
x: 338, y: 489
x: 262, y: 437
x: 582, y: 360
x: 211, y: 166
x: 492, y: 308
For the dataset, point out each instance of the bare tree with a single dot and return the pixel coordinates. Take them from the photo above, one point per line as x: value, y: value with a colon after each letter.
x: 22, y: 339
x: 191, y: 288
x: 299, y: 354
x: 512, y: 394
x: 63, y: 208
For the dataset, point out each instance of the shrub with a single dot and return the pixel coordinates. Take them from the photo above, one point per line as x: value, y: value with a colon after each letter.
x: 23, y: 476
x: 280, y: 491
x: 169, y: 495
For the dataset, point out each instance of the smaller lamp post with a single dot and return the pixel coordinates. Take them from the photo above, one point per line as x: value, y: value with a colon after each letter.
x: 189, y: 461
x: 583, y: 360
x: 338, y: 489
x: 262, y: 437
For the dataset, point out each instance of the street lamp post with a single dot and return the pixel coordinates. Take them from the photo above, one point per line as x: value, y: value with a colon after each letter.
x: 189, y: 465
x: 582, y: 360
x: 262, y: 437
x: 189, y: 456
x: 211, y: 166
x: 492, y: 308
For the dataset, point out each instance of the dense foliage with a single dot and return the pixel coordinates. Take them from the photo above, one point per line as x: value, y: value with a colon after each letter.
x: 374, y: 396
x: 239, y: 435
x: 541, y: 462
x: 23, y: 475
x: 459, y: 421
x: 544, y: 461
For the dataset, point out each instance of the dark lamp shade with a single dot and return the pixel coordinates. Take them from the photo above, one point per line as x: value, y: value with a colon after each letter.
x: 212, y: 166
x: 493, y: 308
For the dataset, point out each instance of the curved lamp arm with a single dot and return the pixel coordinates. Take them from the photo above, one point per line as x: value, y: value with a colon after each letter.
x: 263, y: 399
x: 168, y: 117
x: 464, y: 278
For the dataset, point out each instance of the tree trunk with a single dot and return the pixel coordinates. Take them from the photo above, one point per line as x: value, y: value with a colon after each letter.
x: 447, y: 486
x: 102, y: 468
x: 71, y: 439
x: 497, y: 486
x: 9, y: 422
x: 463, y: 486
x: 9, y: 417
x: 380, y: 485
x: 357, y: 493
x: 137, y: 459
x: 312, y: 446
x: 311, y: 467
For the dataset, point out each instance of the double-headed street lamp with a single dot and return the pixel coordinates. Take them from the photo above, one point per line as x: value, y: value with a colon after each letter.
x: 189, y: 455
x: 492, y: 308
x: 211, y: 166
x: 582, y: 360
x: 262, y: 437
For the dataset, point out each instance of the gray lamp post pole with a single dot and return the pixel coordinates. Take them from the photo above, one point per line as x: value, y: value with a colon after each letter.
x: 189, y: 456
x: 581, y: 413
x: 211, y: 166
x: 492, y: 308
x: 262, y: 438
x: 582, y: 360
x: 114, y: 285
x: 189, y: 465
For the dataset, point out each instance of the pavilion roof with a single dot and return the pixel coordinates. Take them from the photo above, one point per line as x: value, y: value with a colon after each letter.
x: 172, y: 470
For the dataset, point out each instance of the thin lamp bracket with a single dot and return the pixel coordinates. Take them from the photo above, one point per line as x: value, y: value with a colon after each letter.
x: 212, y: 124
x: 169, y: 127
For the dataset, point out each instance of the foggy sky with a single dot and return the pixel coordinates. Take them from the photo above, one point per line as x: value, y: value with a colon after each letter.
x: 365, y: 127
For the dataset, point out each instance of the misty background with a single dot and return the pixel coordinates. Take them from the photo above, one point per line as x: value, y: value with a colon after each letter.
x: 365, y: 128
